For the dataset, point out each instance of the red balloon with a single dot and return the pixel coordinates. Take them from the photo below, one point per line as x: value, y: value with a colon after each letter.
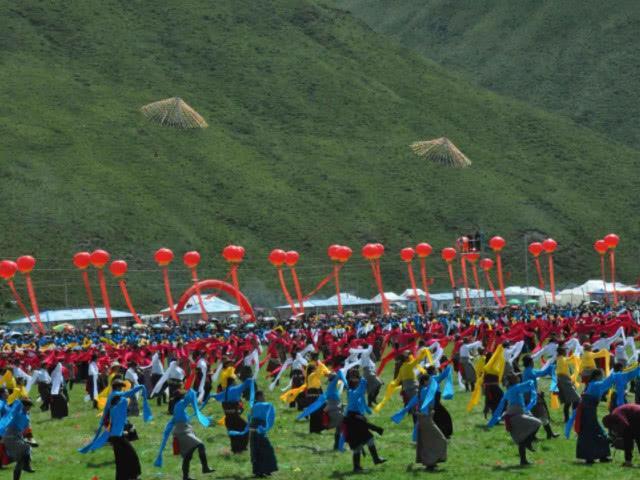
x: 118, y: 268
x: 8, y: 269
x: 332, y: 252
x: 369, y: 251
x: 163, y: 257
x: 82, y: 260
x: 497, y: 243
x: 233, y: 253
x: 25, y: 263
x: 448, y: 254
x: 344, y: 253
x: 379, y: 249
x: 191, y: 259
x: 291, y: 258
x: 601, y: 247
x: 407, y: 254
x: 99, y: 258
x: 423, y: 249
x: 472, y: 256
x: 549, y: 245
x: 277, y: 257
x: 612, y: 240
x: 486, y: 264
x: 535, y: 249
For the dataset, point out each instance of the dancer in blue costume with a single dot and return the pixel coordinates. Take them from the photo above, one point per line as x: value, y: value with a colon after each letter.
x: 431, y: 443
x: 183, y: 435
x: 115, y: 429
x: 522, y: 426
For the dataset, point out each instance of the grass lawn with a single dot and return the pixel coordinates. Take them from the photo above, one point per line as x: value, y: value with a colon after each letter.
x: 474, y: 451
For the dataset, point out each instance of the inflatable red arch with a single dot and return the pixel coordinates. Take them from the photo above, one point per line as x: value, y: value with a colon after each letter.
x: 220, y: 286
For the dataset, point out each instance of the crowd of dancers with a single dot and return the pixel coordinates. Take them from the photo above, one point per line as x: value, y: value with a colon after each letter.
x: 330, y: 370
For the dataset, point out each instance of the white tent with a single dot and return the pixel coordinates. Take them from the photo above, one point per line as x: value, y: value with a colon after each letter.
x: 589, y: 289
x: 390, y: 296
x: 331, y: 303
x: 211, y: 305
x: 408, y: 294
x: 72, y: 315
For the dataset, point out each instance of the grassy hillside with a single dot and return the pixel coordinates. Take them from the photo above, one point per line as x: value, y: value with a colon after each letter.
x: 310, y: 115
x: 574, y: 57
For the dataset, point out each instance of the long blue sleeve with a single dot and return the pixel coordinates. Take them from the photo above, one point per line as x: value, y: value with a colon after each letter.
x: 400, y: 414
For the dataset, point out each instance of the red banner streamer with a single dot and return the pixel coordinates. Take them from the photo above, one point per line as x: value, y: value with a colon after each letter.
x: 296, y: 284
x: 552, y: 280
x: 425, y: 283
x: 105, y: 295
x: 336, y: 281
x: 412, y: 280
x: 539, y: 270
x: 493, y: 290
x: 612, y: 262
x: 87, y: 288
x: 34, y: 302
x: 236, y: 284
x: 465, y: 280
x: 500, y: 278
x: 167, y: 293
x: 474, y: 269
x: 285, y: 290
x: 127, y: 300
x: 21, y: 306
x: 203, y: 310
x: 375, y: 265
x: 604, y: 278
x: 322, y: 283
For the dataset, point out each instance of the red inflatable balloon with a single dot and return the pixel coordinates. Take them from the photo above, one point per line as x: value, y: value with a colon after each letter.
x: 612, y: 240
x: 423, y: 250
x: 535, y: 249
x: 26, y: 263
x: 379, y: 249
x: 233, y: 253
x: 472, y: 256
x: 601, y: 247
x: 291, y: 258
x: 191, y: 259
x: 332, y: 252
x: 8, y: 269
x: 277, y: 257
x: 497, y: 243
x: 369, y: 251
x: 344, y: 253
x: 486, y: 264
x: 99, y: 258
x: 549, y: 245
x: 82, y: 260
x: 448, y: 254
x: 118, y: 268
x: 407, y: 254
x: 163, y: 257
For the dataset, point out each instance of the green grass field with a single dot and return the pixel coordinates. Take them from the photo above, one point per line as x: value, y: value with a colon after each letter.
x: 474, y: 451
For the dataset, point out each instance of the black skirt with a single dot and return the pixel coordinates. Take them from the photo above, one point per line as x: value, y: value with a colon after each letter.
x: 592, y: 442
x: 263, y: 457
x: 127, y: 461
x: 44, y: 390
x: 316, y: 419
x: 356, y: 430
x: 442, y: 418
x: 59, y: 406
x: 492, y: 393
x: 297, y: 380
x: 233, y: 421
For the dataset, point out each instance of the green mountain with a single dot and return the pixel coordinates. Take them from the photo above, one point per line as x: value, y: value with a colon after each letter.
x: 575, y: 57
x: 310, y: 113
